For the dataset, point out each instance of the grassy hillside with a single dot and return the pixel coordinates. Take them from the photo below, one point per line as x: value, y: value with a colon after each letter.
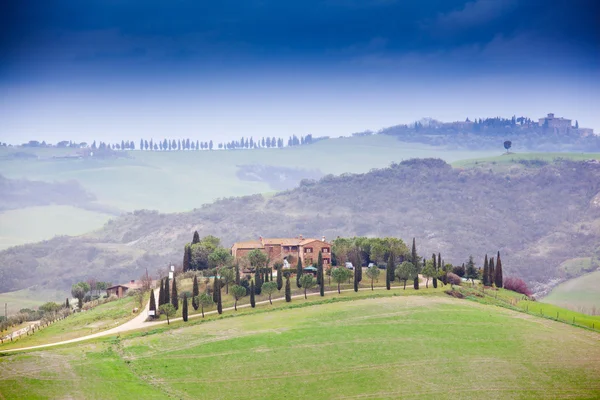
x: 99, y: 318
x: 580, y: 294
x: 537, y: 220
x: 34, y: 224
x: 387, y: 347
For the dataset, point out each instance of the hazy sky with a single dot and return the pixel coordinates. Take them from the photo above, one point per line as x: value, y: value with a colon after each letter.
x: 116, y: 69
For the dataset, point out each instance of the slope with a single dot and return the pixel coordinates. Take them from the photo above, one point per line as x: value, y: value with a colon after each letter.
x: 375, y: 348
x: 537, y: 219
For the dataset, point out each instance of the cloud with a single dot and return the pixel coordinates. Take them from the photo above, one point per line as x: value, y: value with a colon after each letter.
x: 473, y: 14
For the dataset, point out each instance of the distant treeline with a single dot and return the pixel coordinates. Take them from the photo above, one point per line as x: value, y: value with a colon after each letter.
x: 181, y: 144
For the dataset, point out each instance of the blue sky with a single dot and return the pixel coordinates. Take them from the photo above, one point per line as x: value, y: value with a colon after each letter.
x: 114, y: 69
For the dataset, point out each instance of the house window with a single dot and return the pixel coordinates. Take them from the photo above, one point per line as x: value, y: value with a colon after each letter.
x: 325, y: 261
x: 325, y: 250
x: 308, y: 250
x: 294, y: 248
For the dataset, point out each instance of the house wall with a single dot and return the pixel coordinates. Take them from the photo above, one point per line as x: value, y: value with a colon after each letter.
x: 311, y: 257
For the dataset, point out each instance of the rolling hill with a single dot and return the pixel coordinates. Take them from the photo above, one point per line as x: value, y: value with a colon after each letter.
x: 171, y: 181
x: 538, y: 218
x: 357, y: 345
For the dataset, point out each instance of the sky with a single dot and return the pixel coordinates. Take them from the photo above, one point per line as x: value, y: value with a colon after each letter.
x: 117, y: 69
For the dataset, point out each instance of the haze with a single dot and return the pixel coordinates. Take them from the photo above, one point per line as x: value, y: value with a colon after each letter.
x: 110, y: 70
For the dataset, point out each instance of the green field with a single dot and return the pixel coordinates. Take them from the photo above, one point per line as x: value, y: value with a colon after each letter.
x: 34, y: 224
x: 580, y: 294
x: 418, y: 346
x: 29, y: 298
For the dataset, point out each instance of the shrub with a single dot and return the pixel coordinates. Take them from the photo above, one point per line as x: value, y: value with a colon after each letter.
x: 517, y: 285
x: 87, y: 306
x: 455, y: 293
x: 459, y: 270
x: 110, y: 298
x: 187, y: 294
x: 453, y: 279
x: 188, y: 275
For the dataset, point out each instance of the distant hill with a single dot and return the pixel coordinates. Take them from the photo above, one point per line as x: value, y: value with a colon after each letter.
x: 538, y: 217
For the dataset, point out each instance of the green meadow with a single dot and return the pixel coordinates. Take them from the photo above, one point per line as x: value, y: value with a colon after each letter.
x: 580, y: 294
x: 34, y: 224
x: 410, y: 346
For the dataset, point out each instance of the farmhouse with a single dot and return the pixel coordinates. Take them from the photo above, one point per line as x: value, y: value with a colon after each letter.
x: 121, y: 290
x: 289, y: 249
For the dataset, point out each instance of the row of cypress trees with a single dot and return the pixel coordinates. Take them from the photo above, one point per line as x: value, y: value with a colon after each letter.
x: 492, y: 274
x: 166, y: 296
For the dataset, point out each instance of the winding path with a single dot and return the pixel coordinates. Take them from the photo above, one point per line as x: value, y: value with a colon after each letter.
x: 139, y: 322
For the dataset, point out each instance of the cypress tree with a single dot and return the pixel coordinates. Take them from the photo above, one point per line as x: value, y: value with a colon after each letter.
x: 491, y: 272
x: 279, y: 277
x: 288, y: 290
x: 167, y: 298
x: 498, y: 278
x: 486, y: 271
x: 436, y: 266
x: 358, y: 263
x: 356, y: 279
x: 237, y: 274
x: 414, y: 259
x: 298, y: 272
x: 257, y: 282
x: 388, y: 270
x: 161, y: 294
x: 186, y: 259
x: 196, y: 238
x: 174, y: 296
x: 68, y: 307
x: 320, y: 268
x: 152, y: 306
x: 252, y: 299
x: 215, y: 295
x: 219, y: 303
x: 195, y: 289
x: 322, y: 285
x: 320, y: 274
x: 271, y: 273
x: 184, y: 311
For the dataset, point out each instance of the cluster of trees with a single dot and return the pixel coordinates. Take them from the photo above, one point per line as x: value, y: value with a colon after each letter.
x: 486, y: 133
x: 387, y: 253
x: 362, y: 251
x: 492, y: 274
x: 205, y: 253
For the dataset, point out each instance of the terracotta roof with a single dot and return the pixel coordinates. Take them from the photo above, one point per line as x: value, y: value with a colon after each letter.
x: 258, y: 244
x: 282, y: 241
x: 252, y: 244
x: 307, y: 241
x: 116, y: 286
